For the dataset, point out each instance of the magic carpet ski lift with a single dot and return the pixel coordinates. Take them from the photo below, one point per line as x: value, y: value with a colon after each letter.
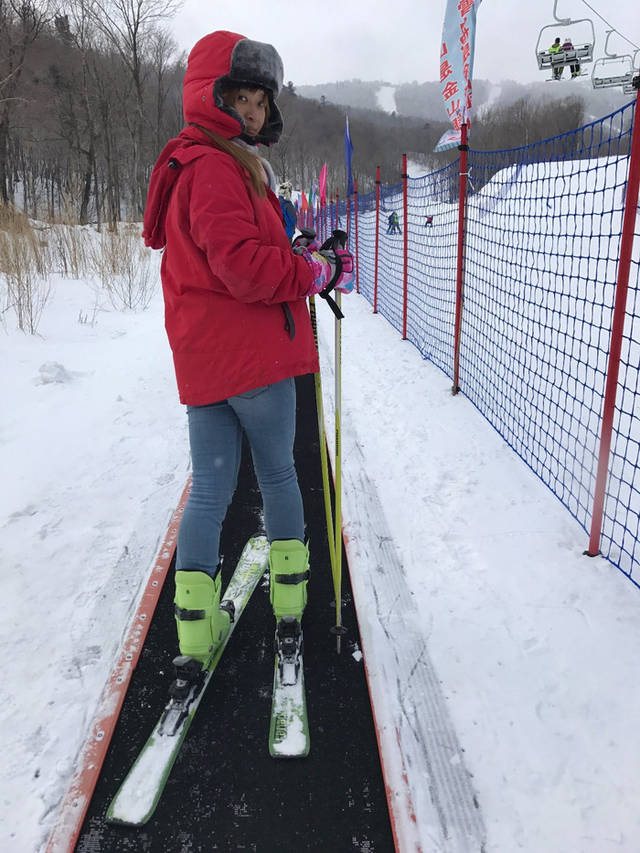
x: 612, y: 69
x: 583, y: 37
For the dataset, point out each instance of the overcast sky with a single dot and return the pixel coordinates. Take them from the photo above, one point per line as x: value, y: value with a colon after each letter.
x: 329, y: 41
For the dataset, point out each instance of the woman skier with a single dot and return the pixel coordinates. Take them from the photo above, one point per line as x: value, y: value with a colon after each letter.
x: 236, y: 319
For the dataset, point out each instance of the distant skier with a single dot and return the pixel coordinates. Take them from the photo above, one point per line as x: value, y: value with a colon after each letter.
x: 428, y: 221
x: 286, y: 205
x: 393, y: 226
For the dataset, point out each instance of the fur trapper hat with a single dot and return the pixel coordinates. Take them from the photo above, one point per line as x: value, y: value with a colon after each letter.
x: 223, y: 60
x: 254, y: 64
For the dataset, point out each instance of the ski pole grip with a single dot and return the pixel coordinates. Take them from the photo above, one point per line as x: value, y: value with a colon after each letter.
x: 340, y: 238
x: 337, y: 240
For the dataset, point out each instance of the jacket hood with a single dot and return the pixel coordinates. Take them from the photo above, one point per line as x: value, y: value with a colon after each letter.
x: 185, y: 148
x: 224, y: 58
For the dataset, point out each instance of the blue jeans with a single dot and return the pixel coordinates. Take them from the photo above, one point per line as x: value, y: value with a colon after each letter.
x: 268, y: 417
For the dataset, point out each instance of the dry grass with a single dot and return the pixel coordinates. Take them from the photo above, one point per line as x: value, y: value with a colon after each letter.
x: 70, y: 249
x: 123, y: 265
x: 117, y: 261
x: 24, y: 269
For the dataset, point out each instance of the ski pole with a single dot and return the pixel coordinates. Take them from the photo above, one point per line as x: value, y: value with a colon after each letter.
x: 324, y: 462
x: 307, y: 235
x: 337, y: 240
x: 337, y: 485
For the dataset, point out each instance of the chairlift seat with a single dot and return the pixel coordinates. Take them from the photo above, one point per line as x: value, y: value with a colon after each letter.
x: 584, y: 53
x: 612, y: 81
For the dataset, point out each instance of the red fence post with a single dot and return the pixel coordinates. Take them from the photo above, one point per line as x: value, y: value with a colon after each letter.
x: 355, y: 204
x: 405, y: 249
x: 462, y: 200
x: 617, y: 329
x: 375, y: 268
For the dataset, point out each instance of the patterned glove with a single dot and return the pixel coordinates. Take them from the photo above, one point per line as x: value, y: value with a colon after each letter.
x: 305, y: 239
x: 341, y: 260
x: 300, y: 244
x: 321, y: 270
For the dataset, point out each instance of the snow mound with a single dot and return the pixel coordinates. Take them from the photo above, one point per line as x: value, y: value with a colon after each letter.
x: 53, y: 372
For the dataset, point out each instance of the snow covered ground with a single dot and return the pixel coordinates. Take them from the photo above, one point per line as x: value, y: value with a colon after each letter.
x: 534, y: 645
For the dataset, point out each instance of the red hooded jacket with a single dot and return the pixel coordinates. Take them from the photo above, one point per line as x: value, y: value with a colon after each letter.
x: 228, y: 271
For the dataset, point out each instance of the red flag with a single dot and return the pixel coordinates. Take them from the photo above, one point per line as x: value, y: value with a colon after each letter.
x: 305, y: 203
x: 322, y: 181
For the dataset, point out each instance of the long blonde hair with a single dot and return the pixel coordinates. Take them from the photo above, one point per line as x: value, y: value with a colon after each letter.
x: 246, y: 159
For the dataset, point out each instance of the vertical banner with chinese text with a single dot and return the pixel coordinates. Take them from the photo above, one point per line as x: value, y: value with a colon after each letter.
x: 456, y: 66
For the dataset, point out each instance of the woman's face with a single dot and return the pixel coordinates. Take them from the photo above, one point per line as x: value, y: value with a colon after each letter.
x: 252, y: 105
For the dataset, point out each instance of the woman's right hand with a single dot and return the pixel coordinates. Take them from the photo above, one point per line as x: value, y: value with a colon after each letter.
x: 331, y: 268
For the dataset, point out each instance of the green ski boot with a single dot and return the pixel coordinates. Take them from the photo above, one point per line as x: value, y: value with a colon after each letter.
x: 289, y: 574
x: 201, y: 622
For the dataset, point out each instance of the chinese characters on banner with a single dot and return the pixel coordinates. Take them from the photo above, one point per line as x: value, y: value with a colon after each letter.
x: 456, y: 66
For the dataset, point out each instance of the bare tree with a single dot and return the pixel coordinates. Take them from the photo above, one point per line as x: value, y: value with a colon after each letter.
x: 129, y: 26
x: 162, y: 50
x: 21, y: 22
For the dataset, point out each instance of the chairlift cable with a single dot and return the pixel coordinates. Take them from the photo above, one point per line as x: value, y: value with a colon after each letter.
x: 611, y: 27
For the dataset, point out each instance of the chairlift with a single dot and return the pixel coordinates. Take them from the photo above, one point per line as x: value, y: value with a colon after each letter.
x: 612, y: 69
x: 628, y: 87
x: 581, y: 33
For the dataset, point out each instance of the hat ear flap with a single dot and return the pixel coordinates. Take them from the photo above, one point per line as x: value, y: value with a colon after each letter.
x: 222, y: 105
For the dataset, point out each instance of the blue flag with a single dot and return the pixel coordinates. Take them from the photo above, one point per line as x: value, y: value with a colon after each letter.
x: 348, y: 154
x: 456, y: 66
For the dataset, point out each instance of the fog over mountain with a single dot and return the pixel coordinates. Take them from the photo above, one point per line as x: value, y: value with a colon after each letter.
x: 424, y: 100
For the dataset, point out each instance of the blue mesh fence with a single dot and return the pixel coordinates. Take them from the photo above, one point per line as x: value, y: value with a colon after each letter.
x: 543, y: 228
x: 433, y: 218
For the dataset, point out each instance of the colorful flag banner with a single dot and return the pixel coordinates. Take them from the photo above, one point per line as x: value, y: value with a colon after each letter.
x: 456, y: 66
x: 322, y: 181
x: 348, y: 154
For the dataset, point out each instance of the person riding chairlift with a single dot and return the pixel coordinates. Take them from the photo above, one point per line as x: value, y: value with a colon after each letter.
x: 554, y: 49
x: 575, y: 66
